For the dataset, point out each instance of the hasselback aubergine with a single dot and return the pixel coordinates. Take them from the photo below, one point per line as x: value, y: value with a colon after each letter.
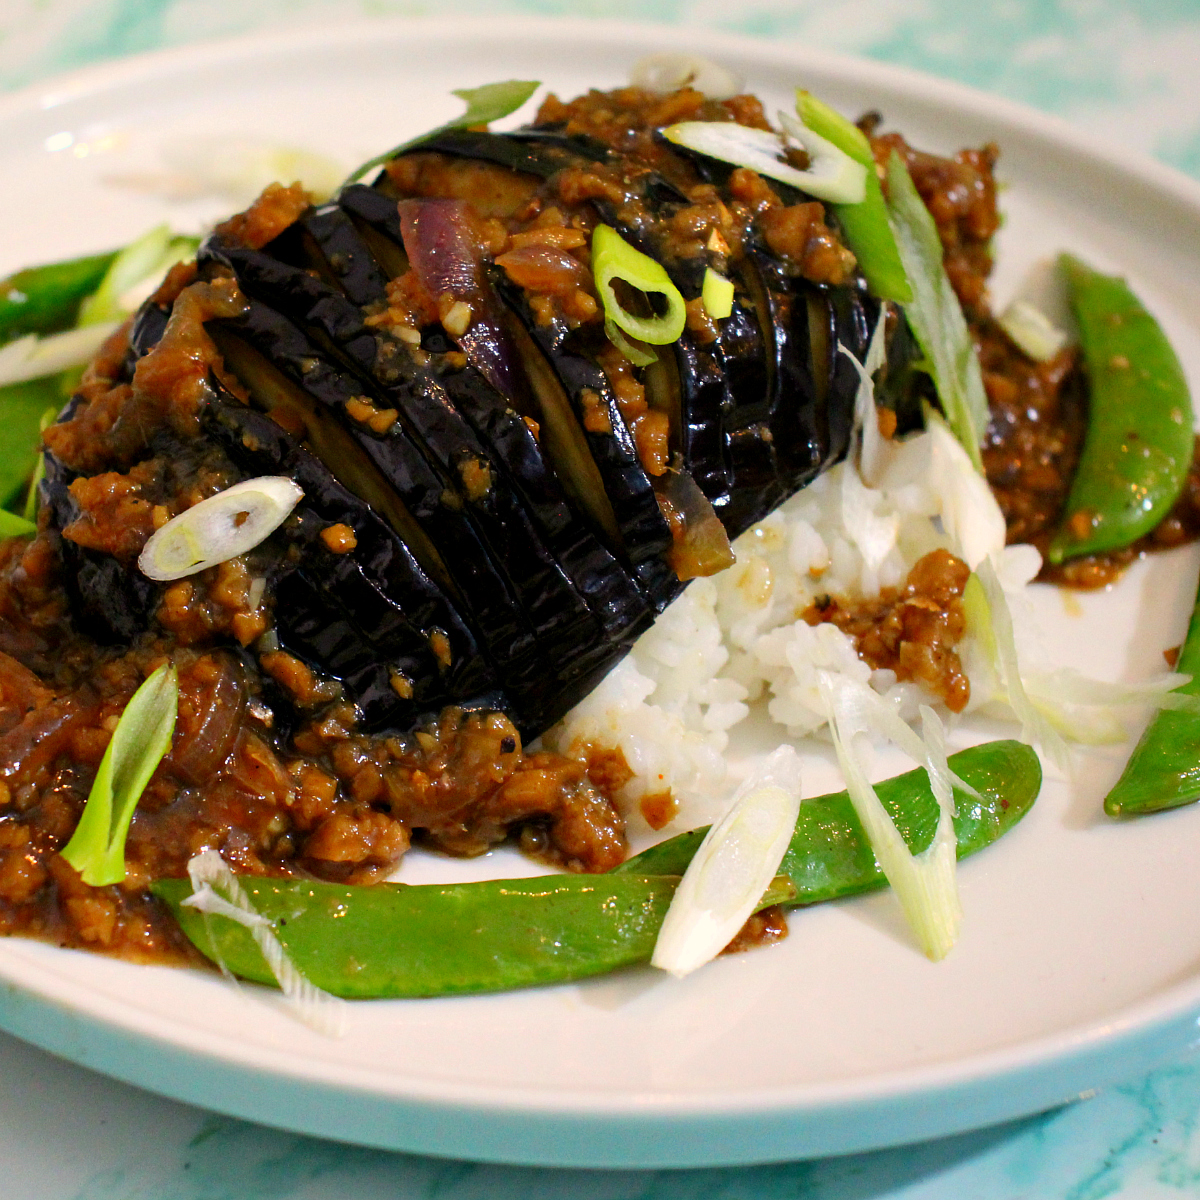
x: 499, y: 495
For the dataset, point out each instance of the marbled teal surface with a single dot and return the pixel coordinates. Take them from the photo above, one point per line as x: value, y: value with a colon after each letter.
x: 1125, y: 68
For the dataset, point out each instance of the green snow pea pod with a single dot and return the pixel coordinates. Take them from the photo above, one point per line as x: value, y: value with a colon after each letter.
x: 1138, y: 445
x: 46, y: 299
x: 829, y: 855
x: 1164, y: 769
x: 395, y: 940
x: 400, y: 940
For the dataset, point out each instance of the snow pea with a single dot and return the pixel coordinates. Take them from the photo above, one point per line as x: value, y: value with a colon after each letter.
x: 401, y: 940
x: 46, y: 299
x: 395, y: 940
x: 829, y: 855
x: 1138, y: 445
x: 1164, y: 769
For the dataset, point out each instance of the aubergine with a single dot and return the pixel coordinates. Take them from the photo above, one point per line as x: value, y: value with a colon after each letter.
x: 610, y: 594
x: 509, y: 541
x: 427, y: 436
x: 420, y: 505
x: 391, y: 665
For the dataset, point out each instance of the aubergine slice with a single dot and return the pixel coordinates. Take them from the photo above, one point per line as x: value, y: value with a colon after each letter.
x: 626, y: 506
x: 598, y: 468
x: 560, y: 616
x: 393, y: 476
x: 644, y: 535
x: 534, y: 151
x: 407, y: 653
x: 557, y: 615
x: 611, y: 595
x: 689, y: 383
x: 347, y: 261
x: 109, y: 602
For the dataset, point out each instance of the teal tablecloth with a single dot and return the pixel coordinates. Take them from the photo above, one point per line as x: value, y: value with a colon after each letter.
x: 1126, y: 69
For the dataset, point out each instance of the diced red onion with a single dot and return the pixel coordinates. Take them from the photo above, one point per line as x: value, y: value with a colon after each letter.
x: 446, y: 260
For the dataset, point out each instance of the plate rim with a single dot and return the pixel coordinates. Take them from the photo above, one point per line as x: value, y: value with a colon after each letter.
x: 1051, y: 1068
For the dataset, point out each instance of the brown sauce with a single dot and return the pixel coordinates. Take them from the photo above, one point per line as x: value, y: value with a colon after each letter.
x: 911, y: 630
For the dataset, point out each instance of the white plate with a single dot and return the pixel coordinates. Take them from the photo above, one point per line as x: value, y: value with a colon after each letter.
x: 1078, y: 961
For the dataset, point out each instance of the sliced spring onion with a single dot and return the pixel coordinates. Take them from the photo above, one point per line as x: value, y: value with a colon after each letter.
x: 865, y: 226
x: 219, y: 528
x: 1032, y: 330
x: 1035, y: 728
x: 39, y: 470
x: 668, y: 72
x: 832, y: 175
x: 637, y: 354
x: 485, y: 104
x: 717, y: 294
x: 614, y: 258
x: 144, y: 260
x: 925, y: 884
x: 970, y: 515
x: 733, y: 867
x: 33, y: 357
x: 139, y: 742
x: 935, y: 315
x: 13, y: 526
x: 216, y: 891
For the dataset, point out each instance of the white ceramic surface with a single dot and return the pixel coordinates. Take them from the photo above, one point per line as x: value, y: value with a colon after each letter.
x: 1078, y: 961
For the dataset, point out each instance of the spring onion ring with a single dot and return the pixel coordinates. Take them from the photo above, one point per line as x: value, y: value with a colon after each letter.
x: 219, y: 528
x: 614, y: 258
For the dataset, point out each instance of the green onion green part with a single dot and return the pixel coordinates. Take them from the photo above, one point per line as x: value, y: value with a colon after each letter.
x: 484, y: 105
x: 638, y: 354
x: 145, y: 257
x: 865, y: 226
x: 935, y: 315
x: 614, y: 258
x: 13, y: 526
x: 139, y: 742
x: 39, y: 468
x: 717, y: 294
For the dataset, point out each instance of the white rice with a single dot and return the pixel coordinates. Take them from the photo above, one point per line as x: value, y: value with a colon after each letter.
x: 737, y: 639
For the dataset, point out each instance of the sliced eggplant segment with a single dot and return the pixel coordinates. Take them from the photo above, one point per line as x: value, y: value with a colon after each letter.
x: 424, y: 423
x: 377, y: 584
x: 542, y: 152
x: 393, y: 477
x: 341, y: 245
x: 609, y: 593
x: 109, y: 602
x: 643, y: 530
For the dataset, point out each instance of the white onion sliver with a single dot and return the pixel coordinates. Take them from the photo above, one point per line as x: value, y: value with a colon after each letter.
x: 219, y: 528
x: 668, y: 72
x: 1034, y: 725
x: 317, y: 1008
x: 872, y: 442
x: 839, y: 177
x: 733, y: 867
